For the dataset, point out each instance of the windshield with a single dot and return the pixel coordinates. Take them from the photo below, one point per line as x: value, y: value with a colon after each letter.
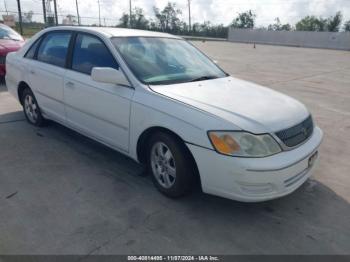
x: 8, y: 33
x: 161, y: 61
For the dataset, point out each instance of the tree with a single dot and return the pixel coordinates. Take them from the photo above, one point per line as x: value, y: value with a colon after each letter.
x: 27, y: 16
x: 347, y: 26
x: 244, y: 20
x: 334, y: 22
x: 138, y: 19
x: 311, y: 23
x: 168, y: 19
x: 70, y: 20
x: 277, y: 26
x: 286, y: 27
x: 124, y: 20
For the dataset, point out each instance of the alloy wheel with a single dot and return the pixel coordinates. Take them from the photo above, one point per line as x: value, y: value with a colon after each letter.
x: 163, y: 165
x: 31, y: 108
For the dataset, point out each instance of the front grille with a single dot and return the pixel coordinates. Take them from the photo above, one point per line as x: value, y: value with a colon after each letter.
x: 297, y: 134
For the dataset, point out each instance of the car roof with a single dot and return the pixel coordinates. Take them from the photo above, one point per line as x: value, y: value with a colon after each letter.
x: 115, y: 32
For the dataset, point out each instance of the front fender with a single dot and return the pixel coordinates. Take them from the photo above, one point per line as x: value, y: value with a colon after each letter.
x: 149, y: 110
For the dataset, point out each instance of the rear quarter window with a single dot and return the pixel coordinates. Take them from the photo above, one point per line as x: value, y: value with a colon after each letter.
x: 31, y: 51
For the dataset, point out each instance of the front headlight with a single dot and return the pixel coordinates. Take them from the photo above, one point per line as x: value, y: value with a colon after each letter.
x: 243, y: 144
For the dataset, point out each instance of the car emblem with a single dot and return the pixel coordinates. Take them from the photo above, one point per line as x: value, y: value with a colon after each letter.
x: 304, y: 131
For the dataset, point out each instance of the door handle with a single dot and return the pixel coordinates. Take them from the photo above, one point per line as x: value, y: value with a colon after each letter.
x: 70, y: 85
x: 32, y: 72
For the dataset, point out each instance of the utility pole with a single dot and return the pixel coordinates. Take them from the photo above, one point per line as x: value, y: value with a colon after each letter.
x: 20, y: 16
x: 189, y: 16
x: 44, y: 12
x: 130, y: 13
x: 76, y: 3
x: 99, y: 13
x: 55, y: 7
x: 7, y: 12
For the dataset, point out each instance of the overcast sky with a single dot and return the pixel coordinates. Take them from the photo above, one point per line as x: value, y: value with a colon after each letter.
x: 216, y: 11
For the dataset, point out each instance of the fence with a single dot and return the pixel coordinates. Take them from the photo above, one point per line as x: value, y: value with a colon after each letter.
x: 327, y: 40
x: 38, y: 14
x: 35, y: 17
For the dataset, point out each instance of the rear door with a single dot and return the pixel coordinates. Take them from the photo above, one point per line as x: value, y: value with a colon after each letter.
x: 97, y: 109
x: 45, y: 70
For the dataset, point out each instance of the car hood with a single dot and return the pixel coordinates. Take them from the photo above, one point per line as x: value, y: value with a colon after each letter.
x: 249, y: 106
x: 9, y: 45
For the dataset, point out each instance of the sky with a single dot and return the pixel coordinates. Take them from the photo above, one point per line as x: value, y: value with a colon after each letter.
x: 215, y: 11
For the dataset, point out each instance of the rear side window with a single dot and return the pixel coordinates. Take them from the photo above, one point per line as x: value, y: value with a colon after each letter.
x: 53, y: 49
x: 31, y: 52
x: 89, y: 52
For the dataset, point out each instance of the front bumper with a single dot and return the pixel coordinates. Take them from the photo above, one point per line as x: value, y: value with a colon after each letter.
x: 256, y: 179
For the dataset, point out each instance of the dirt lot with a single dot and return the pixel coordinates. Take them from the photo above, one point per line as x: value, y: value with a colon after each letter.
x: 61, y: 193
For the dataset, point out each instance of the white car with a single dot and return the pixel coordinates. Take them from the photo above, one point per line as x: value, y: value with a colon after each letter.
x: 157, y: 99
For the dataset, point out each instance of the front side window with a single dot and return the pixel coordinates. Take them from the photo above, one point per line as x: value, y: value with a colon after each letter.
x: 89, y: 52
x: 53, y: 49
x: 158, y: 61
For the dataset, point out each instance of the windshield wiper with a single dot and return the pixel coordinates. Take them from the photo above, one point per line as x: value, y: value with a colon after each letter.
x: 202, y: 78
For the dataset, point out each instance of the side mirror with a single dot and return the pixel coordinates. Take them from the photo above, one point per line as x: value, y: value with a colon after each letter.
x: 109, y: 75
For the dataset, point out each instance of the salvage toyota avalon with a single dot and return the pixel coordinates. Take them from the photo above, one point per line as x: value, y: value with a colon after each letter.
x: 157, y: 99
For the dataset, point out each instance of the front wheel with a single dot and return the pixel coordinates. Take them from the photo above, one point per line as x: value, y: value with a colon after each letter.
x: 170, y: 165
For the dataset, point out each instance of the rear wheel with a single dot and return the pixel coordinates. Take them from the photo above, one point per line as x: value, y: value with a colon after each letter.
x: 170, y: 166
x: 31, y: 108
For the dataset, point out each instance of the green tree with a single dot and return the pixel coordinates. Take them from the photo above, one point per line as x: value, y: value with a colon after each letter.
x: 168, y: 19
x: 347, y: 26
x: 277, y: 26
x: 244, y: 20
x: 124, y: 20
x: 286, y: 27
x: 311, y: 23
x: 138, y: 19
x: 334, y: 22
x: 209, y: 30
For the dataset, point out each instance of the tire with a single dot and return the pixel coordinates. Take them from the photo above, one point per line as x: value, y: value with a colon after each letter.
x: 31, y: 108
x: 170, y: 165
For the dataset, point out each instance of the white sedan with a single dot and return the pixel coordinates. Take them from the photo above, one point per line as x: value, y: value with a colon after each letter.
x: 157, y: 99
